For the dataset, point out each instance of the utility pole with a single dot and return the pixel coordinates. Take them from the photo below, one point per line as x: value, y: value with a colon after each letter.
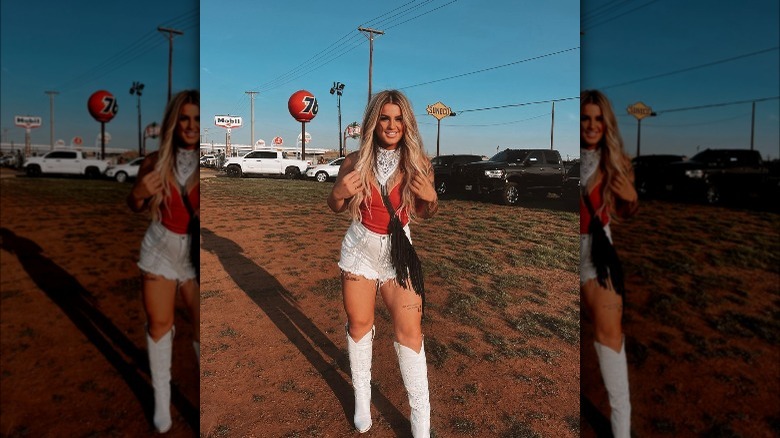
x: 51, y: 115
x: 552, y: 126
x: 252, y: 112
x: 752, y: 125
x: 371, y: 33
x: 171, y: 32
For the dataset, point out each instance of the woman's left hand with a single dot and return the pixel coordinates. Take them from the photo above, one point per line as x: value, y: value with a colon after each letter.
x: 623, y: 188
x: 422, y: 187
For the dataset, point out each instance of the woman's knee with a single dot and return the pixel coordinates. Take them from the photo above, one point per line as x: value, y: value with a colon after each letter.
x: 358, y: 326
x: 611, y: 336
x: 159, y: 327
x: 410, y: 337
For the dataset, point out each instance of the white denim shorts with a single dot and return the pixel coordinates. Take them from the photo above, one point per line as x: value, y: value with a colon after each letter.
x: 166, y: 253
x: 587, y: 268
x: 366, y: 253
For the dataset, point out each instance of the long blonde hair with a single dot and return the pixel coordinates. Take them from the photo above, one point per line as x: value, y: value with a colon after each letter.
x: 413, y: 158
x: 166, y: 155
x: 614, y: 159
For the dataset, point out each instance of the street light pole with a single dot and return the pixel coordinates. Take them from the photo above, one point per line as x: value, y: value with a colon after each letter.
x: 338, y: 88
x: 136, y: 89
x: 171, y: 32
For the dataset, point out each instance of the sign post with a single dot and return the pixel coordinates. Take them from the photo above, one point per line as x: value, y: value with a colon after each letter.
x: 352, y: 131
x: 639, y: 110
x: 228, y: 122
x: 440, y: 111
x: 303, y: 107
x: 28, y: 123
x: 102, y: 106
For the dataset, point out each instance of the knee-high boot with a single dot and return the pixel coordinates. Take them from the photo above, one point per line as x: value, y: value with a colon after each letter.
x: 360, y: 353
x: 614, y: 371
x: 196, y: 347
x: 414, y: 372
x: 160, y: 354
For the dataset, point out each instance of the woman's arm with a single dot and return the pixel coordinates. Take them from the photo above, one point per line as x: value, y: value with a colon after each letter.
x: 427, y: 203
x: 346, y: 186
x: 147, y: 184
x: 626, y: 198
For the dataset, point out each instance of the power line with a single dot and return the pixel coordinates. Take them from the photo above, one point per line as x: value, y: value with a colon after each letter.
x: 517, y: 104
x: 713, y: 105
x: 124, y: 56
x: 695, y: 67
x: 491, y: 68
x: 585, y: 29
x: 485, y: 124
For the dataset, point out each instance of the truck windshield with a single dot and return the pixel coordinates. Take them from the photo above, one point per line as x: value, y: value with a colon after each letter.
x: 510, y: 156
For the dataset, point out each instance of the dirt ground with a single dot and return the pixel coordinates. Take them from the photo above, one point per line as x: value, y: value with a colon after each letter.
x: 274, y: 358
x: 702, y: 323
x: 73, y: 359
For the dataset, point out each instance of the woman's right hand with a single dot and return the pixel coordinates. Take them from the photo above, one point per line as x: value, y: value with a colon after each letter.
x: 348, y: 186
x: 149, y: 185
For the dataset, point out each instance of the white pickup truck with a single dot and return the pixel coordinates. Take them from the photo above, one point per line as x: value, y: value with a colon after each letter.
x: 266, y: 162
x: 65, y: 162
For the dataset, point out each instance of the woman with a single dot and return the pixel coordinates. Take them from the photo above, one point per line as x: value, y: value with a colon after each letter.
x: 607, y: 182
x: 165, y: 251
x: 391, y: 161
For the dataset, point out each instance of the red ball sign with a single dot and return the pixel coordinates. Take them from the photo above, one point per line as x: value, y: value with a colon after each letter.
x: 102, y: 106
x: 303, y: 106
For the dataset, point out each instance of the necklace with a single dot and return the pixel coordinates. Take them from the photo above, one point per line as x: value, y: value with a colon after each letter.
x: 386, y: 164
x: 589, y: 159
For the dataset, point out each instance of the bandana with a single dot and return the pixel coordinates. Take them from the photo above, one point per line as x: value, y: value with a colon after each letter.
x: 186, y: 163
x: 386, y: 164
x: 589, y: 163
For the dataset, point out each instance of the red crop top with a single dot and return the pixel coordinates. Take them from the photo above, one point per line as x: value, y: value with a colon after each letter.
x: 174, y: 215
x: 596, y: 199
x: 375, y: 216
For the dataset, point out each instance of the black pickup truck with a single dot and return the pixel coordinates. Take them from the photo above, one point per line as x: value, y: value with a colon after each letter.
x: 714, y: 175
x: 513, y: 173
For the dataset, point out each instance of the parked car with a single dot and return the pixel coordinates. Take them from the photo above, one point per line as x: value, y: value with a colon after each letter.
x: 446, y: 170
x: 513, y: 173
x: 715, y: 174
x: 322, y: 172
x: 649, y: 172
x: 208, y: 161
x: 123, y: 172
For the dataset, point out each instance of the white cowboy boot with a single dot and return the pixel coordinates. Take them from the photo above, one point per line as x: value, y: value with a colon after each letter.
x: 414, y: 371
x: 614, y: 371
x: 160, y: 353
x: 360, y: 365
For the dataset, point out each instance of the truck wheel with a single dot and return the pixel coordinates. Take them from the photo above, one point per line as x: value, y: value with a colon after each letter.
x: 33, y: 170
x: 121, y: 177
x: 511, y: 194
x: 292, y: 172
x: 234, y: 171
x: 321, y: 176
x: 92, y: 172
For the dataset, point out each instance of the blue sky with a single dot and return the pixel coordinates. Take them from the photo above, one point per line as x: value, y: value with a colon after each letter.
x: 713, y: 47
x: 254, y: 46
x: 51, y: 45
